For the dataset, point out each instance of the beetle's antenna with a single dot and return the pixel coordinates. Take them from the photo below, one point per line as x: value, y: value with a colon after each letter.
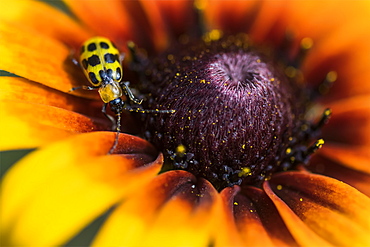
x: 138, y: 110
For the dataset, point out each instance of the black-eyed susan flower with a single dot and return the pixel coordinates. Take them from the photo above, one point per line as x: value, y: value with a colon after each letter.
x: 252, y: 85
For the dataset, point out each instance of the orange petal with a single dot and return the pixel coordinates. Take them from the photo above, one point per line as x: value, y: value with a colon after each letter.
x: 331, y: 209
x: 317, y: 19
x: 178, y: 16
x: 350, y: 123
x: 158, y: 27
x: 349, y: 61
x: 264, y: 28
x: 230, y: 16
x: 175, y: 209
x: 226, y: 232
x: 258, y: 221
x: 38, y: 58
x: 36, y: 16
x: 56, y: 191
x: 111, y: 20
x: 357, y: 158
x: 340, y: 44
x: 356, y: 179
x: 23, y: 90
x: 30, y: 125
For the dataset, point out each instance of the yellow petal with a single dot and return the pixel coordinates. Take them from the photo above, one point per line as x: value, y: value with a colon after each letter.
x: 23, y: 90
x: 38, y: 58
x: 333, y: 210
x: 175, y: 209
x: 27, y: 125
x: 53, y: 193
x: 43, y: 19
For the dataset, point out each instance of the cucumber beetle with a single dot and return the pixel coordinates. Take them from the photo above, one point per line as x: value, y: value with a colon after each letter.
x: 101, y: 63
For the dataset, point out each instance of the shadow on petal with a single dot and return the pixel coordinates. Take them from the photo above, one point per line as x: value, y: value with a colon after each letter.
x: 335, y: 212
x: 175, y: 208
x: 258, y: 220
x: 357, y: 179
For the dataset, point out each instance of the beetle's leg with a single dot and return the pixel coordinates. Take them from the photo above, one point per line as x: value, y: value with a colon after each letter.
x: 118, y: 130
x: 129, y: 93
x: 84, y: 88
x: 104, y: 111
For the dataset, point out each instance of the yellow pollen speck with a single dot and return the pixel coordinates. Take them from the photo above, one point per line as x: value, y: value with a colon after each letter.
x: 290, y: 71
x: 319, y: 143
x: 258, y: 60
x: 177, y: 74
x: 202, y: 81
x: 301, y: 199
x: 331, y: 76
x: 327, y: 112
x: 279, y: 187
x: 272, y: 79
x: 170, y: 57
x: 180, y: 149
x: 236, y: 204
x: 243, y: 146
x: 288, y: 150
x: 246, y: 171
x: 251, y: 146
x: 306, y: 43
x: 213, y: 35
x: 251, y: 210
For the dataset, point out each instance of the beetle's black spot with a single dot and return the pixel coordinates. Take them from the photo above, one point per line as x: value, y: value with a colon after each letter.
x: 104, y: 45
x: 93, y: 79
x: 91, y: 47
x: 93, y: 60
x: 118, y: 74
x: 82, y: 49
x: 103, y: 75
x: 84, y: 64
x: 109, y: 73
x: 109, y: 58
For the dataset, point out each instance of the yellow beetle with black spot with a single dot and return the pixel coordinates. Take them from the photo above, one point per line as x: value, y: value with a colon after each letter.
x: 101, y: 63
